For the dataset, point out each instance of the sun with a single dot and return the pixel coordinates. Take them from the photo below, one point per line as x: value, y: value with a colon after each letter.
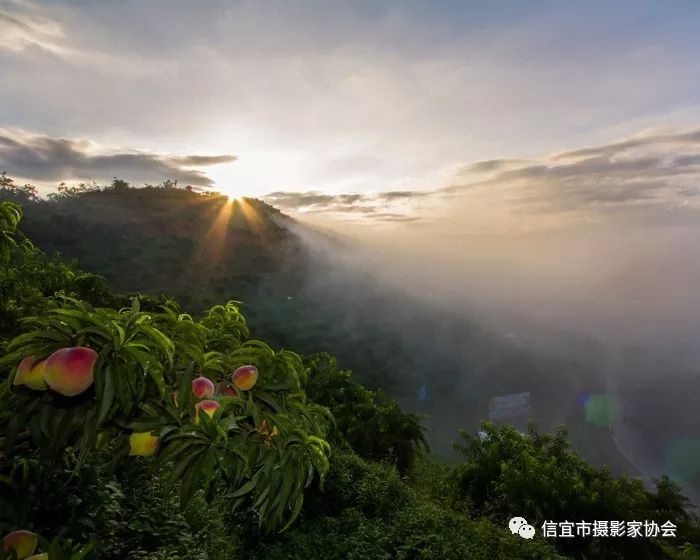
x: 228, y: 193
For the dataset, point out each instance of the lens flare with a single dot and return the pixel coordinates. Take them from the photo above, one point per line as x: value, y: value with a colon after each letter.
x: 600, y: 410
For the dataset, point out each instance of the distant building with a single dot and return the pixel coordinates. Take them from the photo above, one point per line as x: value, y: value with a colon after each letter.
x: 509, y: 408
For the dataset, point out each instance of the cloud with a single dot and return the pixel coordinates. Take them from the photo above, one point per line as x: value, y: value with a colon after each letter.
x: 651, y: 178
x: 371, y: 205
x: 488, y: 165
x: 689, y: 137
x: 197, y: 161
x: 20, y: 30
x: 646, y: 177
x: 46, y: 159
x: 394, y: 217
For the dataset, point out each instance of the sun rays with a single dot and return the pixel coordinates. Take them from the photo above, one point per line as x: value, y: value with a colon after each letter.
x: 216, y: 244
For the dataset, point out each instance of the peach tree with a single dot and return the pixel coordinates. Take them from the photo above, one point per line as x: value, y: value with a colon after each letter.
x: 220, y: 413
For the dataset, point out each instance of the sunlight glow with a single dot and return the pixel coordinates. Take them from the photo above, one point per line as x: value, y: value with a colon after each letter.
x: 213, y: 247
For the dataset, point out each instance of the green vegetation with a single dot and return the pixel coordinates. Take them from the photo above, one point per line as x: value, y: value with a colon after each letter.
x: 298, y: 462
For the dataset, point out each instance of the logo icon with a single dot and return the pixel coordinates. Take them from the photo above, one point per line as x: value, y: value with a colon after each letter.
x: 519, y: 525
x: 515, y: 523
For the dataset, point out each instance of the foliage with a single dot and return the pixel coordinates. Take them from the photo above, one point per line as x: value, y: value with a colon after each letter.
x: 29, y: 279
x: 138, y: 369
x: 366, y: 421
x: 540, y: 478
x: 366, y: 510
x: 17, y: 193
x: 421, y: 530
x: 66, y: 192
x: 372, y: 488
x: 123, y: 510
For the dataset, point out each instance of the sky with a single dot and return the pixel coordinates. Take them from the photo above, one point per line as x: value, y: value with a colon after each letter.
x: 522, y: 115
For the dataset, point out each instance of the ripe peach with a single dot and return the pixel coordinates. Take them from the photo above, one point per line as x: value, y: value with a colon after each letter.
x: 225, y: 390
x: 22, y: 542
x: 245, y: 377
x: 207, y: 406
x: 202, y: 388
x: 142, y: 443
x: 69, y: 371
x: 31, y: 374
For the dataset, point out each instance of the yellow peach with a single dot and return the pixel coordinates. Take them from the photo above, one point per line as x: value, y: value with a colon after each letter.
x: 22, y: 542
x: 245, y: 377
x: 207, y: 406
x: 31, y: 374
x: 142, y: 444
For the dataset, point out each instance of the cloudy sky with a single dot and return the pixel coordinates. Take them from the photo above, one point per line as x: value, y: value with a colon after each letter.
x: 520, y: 114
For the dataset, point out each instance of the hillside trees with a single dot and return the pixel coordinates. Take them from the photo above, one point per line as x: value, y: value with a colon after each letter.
x: 259, y: 448
x: 539, y: 477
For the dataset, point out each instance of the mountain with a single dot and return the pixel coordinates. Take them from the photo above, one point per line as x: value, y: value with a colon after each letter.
x: 205, y: 248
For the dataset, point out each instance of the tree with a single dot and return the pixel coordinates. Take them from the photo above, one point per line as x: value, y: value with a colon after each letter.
x: 17, y: 193
x: 367, y: 421
x: 538, y: 477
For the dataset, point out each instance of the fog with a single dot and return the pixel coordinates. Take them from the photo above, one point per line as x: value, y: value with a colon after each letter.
x: 601, y: 308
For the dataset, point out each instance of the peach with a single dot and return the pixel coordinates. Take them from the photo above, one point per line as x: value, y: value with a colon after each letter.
x: 202, y: 388
x: 31, y: 374
x: 69, y: 371
x: 142, y: 444
x: 207, y: 406
x: 245, y: 377
x: 22, y: 542
x: 100, y: 439
x: 225, y: 390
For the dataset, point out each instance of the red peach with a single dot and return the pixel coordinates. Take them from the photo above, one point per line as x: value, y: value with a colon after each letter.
x: 69, y: 371
x: 224, y: 389
x: 202, y: 388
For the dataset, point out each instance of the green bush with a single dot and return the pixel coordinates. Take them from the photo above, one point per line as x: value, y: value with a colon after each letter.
x: 539, y: 477
x: 420, y: 530
x: 367, y: 421
x: 374, y: 489
x: 124, y: 510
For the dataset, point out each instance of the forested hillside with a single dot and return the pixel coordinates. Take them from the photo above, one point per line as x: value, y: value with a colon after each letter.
x: 203, y: 249
x: 131, y: 429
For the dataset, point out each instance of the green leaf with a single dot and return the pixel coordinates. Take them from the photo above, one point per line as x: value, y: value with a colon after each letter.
x: 107, y: 394
x: 295, y: 512
x: 247, y: 487
x: 189, y: 483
